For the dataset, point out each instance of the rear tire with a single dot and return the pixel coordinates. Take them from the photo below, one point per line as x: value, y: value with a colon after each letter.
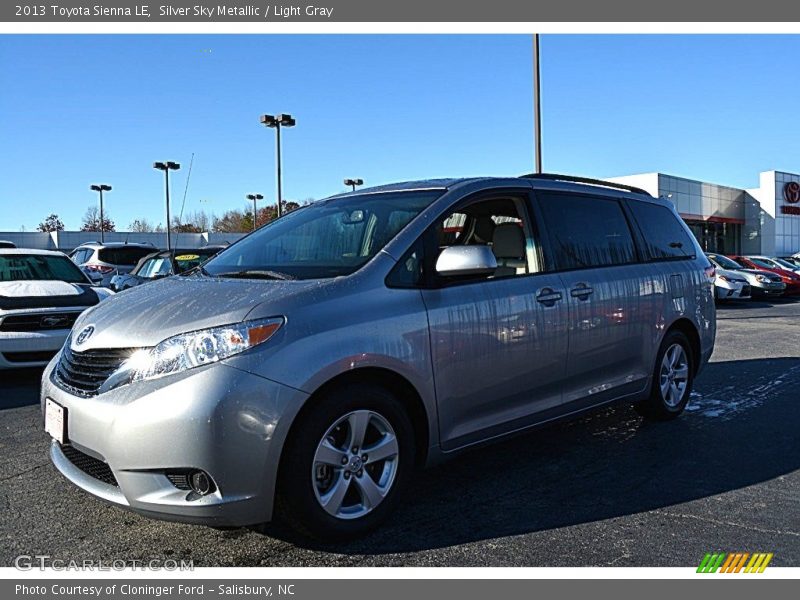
x: 673, y: 378
x: 322, y: 496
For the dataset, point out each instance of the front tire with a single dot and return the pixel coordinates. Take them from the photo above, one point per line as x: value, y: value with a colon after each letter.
x: 673, y: 378
x: 345, y: 463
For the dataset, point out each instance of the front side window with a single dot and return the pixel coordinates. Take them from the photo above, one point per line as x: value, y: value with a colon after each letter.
x: 499, y: 223
x: 329, y: 238
x: 664, y: 236
x: 35, y: 267
x: 586, y: 231
x: 158, y: 266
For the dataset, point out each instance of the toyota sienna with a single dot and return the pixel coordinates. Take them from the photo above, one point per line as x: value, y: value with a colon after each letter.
x: 306, y: 370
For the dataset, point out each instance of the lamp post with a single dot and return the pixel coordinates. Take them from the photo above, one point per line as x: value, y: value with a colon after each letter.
x: 276, y: 122
x: 254, y: 197
x: 167, y: 167
x: 537, y: 106
x: 101, y: 188
x: 354, y: 182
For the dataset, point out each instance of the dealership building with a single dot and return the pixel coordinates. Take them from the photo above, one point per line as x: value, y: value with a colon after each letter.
x: 727, y: 220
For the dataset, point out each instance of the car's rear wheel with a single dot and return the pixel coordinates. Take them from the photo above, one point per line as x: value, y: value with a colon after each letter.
x: 673, y: 377
x: 345, y: 463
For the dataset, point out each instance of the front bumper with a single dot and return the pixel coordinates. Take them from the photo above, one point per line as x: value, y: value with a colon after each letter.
x: 768, y: 289
x: 30, y: 348
x: 225, y: 421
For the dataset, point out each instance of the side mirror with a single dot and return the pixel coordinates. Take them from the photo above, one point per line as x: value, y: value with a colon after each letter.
x: 466, y: 260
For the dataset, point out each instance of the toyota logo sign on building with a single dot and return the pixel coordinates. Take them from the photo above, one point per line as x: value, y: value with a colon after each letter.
x: 791, y: 192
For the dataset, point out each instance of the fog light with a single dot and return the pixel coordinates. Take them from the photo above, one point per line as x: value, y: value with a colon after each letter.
x: 201, y: 483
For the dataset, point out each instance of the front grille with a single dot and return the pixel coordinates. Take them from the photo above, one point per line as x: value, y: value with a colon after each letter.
x: 88, y: 464
x: 23, y: 357
x: 39, y: 322
x: 84, y: 372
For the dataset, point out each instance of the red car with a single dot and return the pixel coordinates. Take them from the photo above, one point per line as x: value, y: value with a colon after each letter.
x: 790, y: 278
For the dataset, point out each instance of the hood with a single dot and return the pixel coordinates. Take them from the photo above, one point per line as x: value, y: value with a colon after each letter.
x: 46, y: 294
x: 770, y: 274
x: 148, y: 314
x: 731, y: 274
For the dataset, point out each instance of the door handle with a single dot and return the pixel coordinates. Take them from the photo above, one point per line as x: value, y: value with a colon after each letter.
x: 581, y: 291
x: 548, y: 297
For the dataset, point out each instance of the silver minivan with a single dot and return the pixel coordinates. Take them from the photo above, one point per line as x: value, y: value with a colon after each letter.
x: 308, y: 369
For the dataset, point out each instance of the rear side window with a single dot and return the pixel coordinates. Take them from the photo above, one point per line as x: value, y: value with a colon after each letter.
x: 586, y: 231
x: 664, y: 236
x: 128, y: 256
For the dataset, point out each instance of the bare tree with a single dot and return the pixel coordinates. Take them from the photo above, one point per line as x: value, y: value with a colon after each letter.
x: 91, y: 221
x: 141, y: 226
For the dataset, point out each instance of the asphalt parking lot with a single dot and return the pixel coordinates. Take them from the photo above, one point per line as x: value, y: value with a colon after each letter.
x: 608, y: 489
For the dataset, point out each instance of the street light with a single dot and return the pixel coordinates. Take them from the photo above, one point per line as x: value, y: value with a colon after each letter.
x: 276, y: 122
x: 254, y: 197
x: 101, y: 188
x: 537, y: 106
x: 167, y: 167
x: 354, y: 182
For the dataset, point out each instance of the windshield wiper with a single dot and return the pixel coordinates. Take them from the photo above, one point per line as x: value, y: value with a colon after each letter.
x: 255, y: 274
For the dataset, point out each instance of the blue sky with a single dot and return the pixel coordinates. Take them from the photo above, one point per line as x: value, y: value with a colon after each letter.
x: 76, y: 110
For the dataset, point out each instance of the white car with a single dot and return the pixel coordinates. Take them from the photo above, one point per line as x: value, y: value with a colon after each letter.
x: 730, y: 285
x: 41, y: 294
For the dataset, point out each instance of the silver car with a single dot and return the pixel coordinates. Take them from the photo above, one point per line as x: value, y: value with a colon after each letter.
x: 306, y: 370
x: 102, y: 261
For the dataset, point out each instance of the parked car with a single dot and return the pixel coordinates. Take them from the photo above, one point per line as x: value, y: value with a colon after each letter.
x: 306, y: 369
x: 158, y: 265
x: 5, y: 244
x: 762, y: 283
x: 41, y: 295
x: 793, y: 260
x: 730, y: 284
x: 783, y: 263
x: 790, y: 278
x: 101, y: 262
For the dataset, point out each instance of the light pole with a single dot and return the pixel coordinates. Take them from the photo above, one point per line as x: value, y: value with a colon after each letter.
x: 537, y: 105
x: 101, y: 188
x: 354, y: 182
x: 254, y: 197
x: 167, y: 167
x: 276, y: 122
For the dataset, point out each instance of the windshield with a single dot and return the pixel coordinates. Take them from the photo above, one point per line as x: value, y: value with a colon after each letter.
x: 723, y: 262
x: 329, y: 238
x: 785, y: 264
x: 763, y: 262
x: 37, y: 267
x: 158, y: 266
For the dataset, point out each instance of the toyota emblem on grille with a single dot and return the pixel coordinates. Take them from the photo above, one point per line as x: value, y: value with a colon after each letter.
x: 84, y: 335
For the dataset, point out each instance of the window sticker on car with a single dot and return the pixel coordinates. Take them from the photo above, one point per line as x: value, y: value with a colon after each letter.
x: 187, y: 257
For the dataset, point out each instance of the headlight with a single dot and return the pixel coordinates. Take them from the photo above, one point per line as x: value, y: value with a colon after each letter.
x: 762, y: 278
x: 194, y: 349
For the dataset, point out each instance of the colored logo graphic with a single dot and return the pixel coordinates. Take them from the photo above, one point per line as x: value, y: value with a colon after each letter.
x: 735, y: 562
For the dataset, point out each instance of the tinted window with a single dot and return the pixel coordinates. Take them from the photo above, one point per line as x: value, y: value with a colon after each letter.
x: 35, y: 267
x: 664, y: 236
x: 586, y: 231
x: 765, y: 264
x: 723, y: 262
x: 128, y: 255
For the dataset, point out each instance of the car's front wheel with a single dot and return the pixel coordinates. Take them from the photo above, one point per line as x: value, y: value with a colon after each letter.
x: 346, y: 462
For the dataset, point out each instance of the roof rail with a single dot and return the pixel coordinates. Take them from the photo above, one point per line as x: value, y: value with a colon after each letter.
x: 588, y: 180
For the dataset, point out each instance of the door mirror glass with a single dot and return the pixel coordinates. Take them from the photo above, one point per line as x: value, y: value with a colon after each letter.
x: 466, y: 260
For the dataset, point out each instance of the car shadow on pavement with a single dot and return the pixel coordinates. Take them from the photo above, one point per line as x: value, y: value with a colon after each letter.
x: 20, y: 387
x: 740, y: 429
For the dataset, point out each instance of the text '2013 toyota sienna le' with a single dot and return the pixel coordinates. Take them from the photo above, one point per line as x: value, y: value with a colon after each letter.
x: 306, y: 370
